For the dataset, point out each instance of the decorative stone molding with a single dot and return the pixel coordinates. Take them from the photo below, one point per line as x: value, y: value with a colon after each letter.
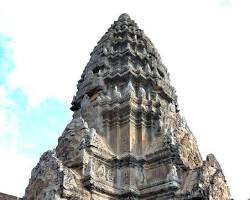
x: 127, y: 138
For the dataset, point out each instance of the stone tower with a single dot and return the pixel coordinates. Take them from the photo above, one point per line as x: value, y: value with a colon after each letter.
x: 127, y: 139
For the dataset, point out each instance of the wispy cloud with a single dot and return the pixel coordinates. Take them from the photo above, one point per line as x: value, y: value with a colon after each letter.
x: 8, y: 120
x: 26, y: 130
x: 6, y: 61
x: 11, y: 159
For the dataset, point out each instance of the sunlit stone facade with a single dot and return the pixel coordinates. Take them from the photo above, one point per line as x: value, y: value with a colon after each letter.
x: 127, y: 139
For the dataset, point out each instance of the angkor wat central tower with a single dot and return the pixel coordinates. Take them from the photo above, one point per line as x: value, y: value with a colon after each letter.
x: 127, y: 139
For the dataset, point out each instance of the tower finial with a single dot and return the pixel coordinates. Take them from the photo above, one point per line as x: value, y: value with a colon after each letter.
x: 124, y: 17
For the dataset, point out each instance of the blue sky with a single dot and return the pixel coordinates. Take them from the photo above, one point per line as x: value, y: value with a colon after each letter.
x: 39, y: 125
x: 26, y: 130
x: 45, y: 45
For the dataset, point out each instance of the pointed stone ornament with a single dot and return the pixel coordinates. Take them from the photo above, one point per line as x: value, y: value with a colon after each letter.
x: 116, y: 93
x: 121, y: 148
x: 142, y: 92
x: 170, y: 137
x: 147, y: 69
x: 130, y: 90
x: 124, y: 17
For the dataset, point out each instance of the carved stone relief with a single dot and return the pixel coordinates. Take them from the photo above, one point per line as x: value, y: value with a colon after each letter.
x: 116, y: 93
x: 130, y: 90
x: 101, y: 172
x: 156, y: 155
x: 142, y: 92
x: 93, y: 115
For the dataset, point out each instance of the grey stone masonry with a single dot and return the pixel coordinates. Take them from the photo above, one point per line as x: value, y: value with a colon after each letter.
x: 4, y: 196
x: 127, y: 138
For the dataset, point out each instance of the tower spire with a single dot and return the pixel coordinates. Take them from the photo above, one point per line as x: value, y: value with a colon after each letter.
x: 127, y: 139
x: 124, y: 50
x: 124, y: 17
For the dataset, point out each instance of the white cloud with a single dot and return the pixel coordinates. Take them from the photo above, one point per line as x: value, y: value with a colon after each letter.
x: 15, y: 167
x: 9, y: 123
x: 15, y: 171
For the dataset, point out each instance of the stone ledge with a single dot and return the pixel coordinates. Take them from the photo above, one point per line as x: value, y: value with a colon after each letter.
x: 8, y: 197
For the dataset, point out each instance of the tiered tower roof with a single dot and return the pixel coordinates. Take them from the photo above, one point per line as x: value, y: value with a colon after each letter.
x: 127, y: 138
x: 125, y: 51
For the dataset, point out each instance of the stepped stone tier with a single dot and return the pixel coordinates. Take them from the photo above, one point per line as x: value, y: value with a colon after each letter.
x: 127, y: 139
x: 4, y: 196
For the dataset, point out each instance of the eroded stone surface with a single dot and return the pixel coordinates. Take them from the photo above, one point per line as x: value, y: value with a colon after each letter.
x: 4, y: 196
x: 127, y: 138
